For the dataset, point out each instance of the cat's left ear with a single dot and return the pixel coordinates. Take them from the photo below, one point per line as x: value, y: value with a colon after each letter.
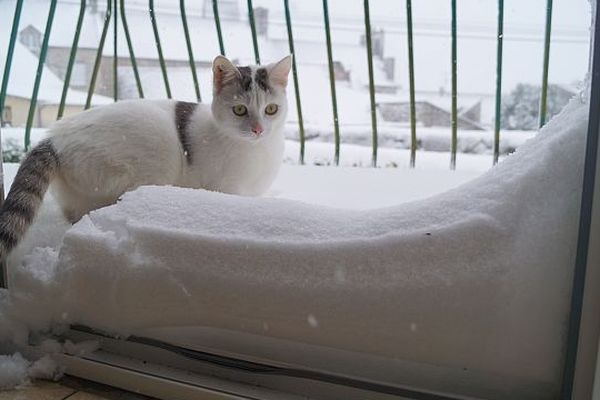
x: 279, y: 71
x: 223, y: 72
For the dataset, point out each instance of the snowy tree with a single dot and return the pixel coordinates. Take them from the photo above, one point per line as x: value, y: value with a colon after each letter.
x: 520, y: 109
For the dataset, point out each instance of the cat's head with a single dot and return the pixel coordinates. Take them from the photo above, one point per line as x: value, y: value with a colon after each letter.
x: 250, y: 102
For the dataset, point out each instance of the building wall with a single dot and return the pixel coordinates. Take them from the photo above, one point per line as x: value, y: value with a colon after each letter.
x: 19, y: 109
x: 48, y: 112
x: 44, y: 116
x: 58, y: 57
x: 426, y: 113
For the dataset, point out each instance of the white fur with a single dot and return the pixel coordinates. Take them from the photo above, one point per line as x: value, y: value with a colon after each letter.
x: 109, y: 150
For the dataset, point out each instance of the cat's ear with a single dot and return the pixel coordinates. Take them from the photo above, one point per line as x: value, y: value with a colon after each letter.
x: 223, y: 73
x: 279, y: 71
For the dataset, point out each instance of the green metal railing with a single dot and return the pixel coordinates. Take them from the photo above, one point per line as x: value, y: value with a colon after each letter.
x: 369, y: 46
x: 136, y: 74
x: 543, y: 100
x: 38, y: 74
x: 500, y: 37
x: 161, y: 58
x: 218, y: 26
x: 336, y: 122
x: 288, y: 23
x: 188, y: 43
x: 73, y: 54
x: 113, y: 15
x: 107, y: 15
x: 411, y: 84
x: 454, y: 109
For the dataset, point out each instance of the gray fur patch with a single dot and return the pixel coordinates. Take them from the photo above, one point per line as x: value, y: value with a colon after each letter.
x: 262, y: 79
x: 183, y: 113
x: 246, y: 77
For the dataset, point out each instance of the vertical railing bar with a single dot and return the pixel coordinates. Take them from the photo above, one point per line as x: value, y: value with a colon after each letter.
x: 98, y: 60
x: 288, y: 21
x: 38, y: 74
x: 336, y: 125
x: 3, y: 90
x: 188, y: 42
x: 161, y: 59
x: 454, y: 90
x: 253, y: 30
x: 115, y: 53
x: 411, y: 84
x: 9, y: 55
x: 499, y: 38
x: 218, y: 26
x: 136, y: 74
x: 547, y: 34
x: 71, y: 63
x: 371, y: 81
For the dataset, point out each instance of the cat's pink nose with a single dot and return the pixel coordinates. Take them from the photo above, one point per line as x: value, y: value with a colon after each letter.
x: 257, y: 129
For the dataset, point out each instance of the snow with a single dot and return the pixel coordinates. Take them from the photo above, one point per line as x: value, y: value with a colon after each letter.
x: 474, y: 281
x: 15, y: 370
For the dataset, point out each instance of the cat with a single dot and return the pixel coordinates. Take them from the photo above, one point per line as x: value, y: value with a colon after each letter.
x: 235, y: 145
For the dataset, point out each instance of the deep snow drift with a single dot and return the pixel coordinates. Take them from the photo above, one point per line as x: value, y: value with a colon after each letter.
x: 475, y: 281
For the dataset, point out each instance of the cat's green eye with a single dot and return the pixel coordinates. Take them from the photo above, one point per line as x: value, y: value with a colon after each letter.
x: 271, y: 109
x: 240, y: 110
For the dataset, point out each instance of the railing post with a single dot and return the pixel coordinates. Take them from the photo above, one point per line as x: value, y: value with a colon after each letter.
x: 371, y: 81
x: 188, y: 42
x: 3, y: 90
x: 136, y: 74
x: 98, y: 60
x: 38, y: 74
x: 499, y: 39
x: 454, y: 91
x: 411, y: 83
x: 288, y: 21
x: 253, y: 31
x: 71, y: 63
x: 336, y: 124
x: 9, y: 55
x: 218, y: 26
x: 115, y: 53
x: 547, y: 34
x: 161, y: 59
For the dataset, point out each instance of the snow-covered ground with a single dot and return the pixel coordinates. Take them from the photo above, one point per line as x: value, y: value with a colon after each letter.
x: 346, y: 186
x: 466, y: 291
x: 474, y: 147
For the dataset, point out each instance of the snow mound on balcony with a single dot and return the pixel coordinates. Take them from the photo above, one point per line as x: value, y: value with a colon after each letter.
x: 475, y: 279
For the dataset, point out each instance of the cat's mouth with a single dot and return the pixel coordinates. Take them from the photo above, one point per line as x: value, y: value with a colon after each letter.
x: 253, y: 136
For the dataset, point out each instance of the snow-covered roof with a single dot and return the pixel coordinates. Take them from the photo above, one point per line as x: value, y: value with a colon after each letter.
x: 22, y: 76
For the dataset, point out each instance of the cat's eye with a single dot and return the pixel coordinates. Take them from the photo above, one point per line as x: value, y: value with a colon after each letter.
x: 240, y: 110
x: 271, y: 109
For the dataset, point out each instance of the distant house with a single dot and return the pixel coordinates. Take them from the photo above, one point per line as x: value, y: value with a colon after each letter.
x: 20, y: 89
x: 430, y: 114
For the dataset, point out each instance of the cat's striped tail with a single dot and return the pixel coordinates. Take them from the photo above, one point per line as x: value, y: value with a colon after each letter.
x: 26, y: 194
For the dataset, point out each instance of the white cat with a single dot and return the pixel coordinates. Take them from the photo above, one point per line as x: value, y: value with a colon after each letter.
x: 234, y: 146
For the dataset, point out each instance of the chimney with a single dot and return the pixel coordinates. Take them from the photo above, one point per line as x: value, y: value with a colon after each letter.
x: 389, y: 66
x: 377, y: 42
x: 93, y: 5
x: 261, y: 19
